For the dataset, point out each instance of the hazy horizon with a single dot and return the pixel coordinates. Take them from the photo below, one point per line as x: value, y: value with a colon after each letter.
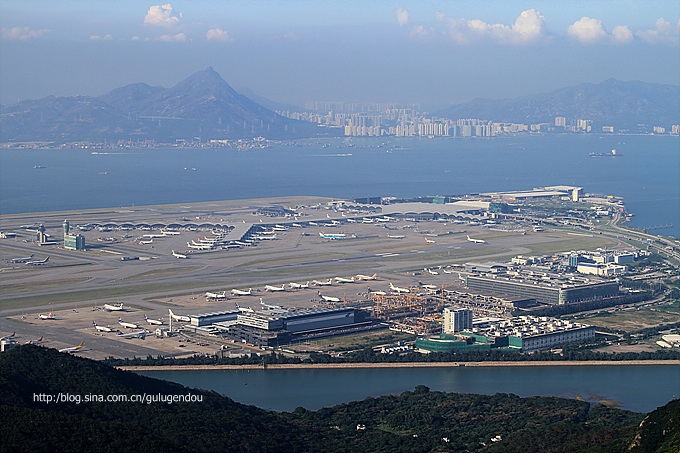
x: 433, y: 53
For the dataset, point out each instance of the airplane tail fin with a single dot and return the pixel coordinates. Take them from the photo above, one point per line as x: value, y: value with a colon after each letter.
x: 80, y: 345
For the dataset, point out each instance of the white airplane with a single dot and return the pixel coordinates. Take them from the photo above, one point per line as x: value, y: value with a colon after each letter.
x: 279, y: 228
x: 127, y: 325
x: 102, y: 328
x: 238, y: 292
x: 216, y: 296
x: 170, y: 233
x: 298, y: 285
x: 476, y: 241
x: 328, y: 298
x: 48, y: 316
x: 150, y: 241
x: 22, y: 260
x: 397, y: 289
x: 344, y: 280
x: 179, y: 255
x: 396, y: 236
x: 430, y: 271
x: 37, y: 262
x: 366, y: 277
x: 430, y: 241
x: 154, y: 322
x: 7, y: 337
x: 193, y: 245
x: 244, y: 309
x: 269, y: 307
x: 179, y: 317
x: 424, y: 286
x: 328, y: 282
x: 140, y: 334
x: 110, y: 307
x: 377, y: 293
x: 296, y: 225
x: 73, y: 349
x: 264, y: 238
x: 35, y: 341
x: 331, y: 235
x: 274, y: 288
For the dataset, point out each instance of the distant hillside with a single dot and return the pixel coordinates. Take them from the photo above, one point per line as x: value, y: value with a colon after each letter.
x: 203, y: 105
x: 611, y: 103
x: 415, y: 421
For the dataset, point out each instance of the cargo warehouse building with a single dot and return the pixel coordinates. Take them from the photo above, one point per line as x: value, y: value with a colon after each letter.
x: 277, y: 326
x: 544, y: 291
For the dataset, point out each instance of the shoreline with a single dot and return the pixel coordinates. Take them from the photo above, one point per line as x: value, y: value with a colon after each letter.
x: 302, y: 366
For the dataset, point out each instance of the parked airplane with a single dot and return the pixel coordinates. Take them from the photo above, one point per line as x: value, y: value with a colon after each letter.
x: 328, y: 298
x: 140, y: 334
x: 344, y: 280
x: 193, y: 245
x: 424, y: 286
x: 35, y: 341
x: 216, y: 296
x: 279, y: 228
x: 127, y: 325
x: 332, y: 235
x: 476, y: 241
x: 264, y: 238
x: 430, y: 271
x: 366, y: 277
x: 328, y: 282
x: 298, y: 285
x: 37, y: 262
x: 269, y: 307
x: 179, y: 317
x: 396, y: 236
x: 238, y: 292
x: 274, y: 288
x: 154, y: 322
x: 398, y: 289
x: 73, y: 349
x: 22, y: 260
x: 48, y: 316
x: 110, y: 307
x: 170, y: 233
x: 430, y: 241
x: 7, y: 337
x: 179, y: 255
x: 102, y: 328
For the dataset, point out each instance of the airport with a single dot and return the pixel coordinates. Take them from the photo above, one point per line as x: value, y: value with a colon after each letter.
x: 250, y: 273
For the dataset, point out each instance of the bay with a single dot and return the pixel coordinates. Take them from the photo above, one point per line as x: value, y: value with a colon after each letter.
x: 647, y: 173
x: 639, y: 388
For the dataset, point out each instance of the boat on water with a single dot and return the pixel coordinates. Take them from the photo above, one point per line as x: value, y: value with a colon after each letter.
x: 39, y: 166
x: 612, y: 153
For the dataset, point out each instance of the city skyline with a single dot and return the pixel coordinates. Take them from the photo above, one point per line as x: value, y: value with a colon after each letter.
x: 433, y: 53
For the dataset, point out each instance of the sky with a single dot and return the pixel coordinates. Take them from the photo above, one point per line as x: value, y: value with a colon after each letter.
x: 433, y: 53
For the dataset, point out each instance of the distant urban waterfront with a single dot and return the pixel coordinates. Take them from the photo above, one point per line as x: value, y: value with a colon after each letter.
x: 640, y: 388
x: 645, y: 172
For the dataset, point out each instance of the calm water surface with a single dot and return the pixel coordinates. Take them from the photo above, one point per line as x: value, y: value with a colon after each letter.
x: 637, y: 388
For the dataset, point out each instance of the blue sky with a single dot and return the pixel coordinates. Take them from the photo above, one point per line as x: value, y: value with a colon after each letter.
x: 429, y: 52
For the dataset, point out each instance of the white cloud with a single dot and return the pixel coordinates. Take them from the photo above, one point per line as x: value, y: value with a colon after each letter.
x: 161, y: 15
x: 22, y: 33
x: 622, y: 34
x: 106, y: 37
x: 587, y: 30
x: 421, y: 32
x: 216, y: 34
x: 529, y: 26
x: 403, y: 17
x: 663, y: 33
x: 179, y: 37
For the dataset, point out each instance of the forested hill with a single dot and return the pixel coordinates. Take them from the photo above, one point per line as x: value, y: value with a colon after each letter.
x: 415, y: 421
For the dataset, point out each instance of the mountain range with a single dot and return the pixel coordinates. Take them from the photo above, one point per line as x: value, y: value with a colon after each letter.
x: 202, y: 106
x: 206, y: 107
x: 610, y: 103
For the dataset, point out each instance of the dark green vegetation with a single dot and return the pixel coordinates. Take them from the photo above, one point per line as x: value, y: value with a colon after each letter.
x: 203, y: 105
x: 417, y: 421
x: 610, y: 103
